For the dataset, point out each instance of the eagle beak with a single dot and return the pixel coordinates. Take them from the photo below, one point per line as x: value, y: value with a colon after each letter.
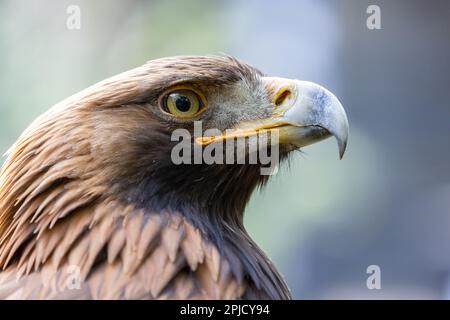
x: 307, y: 113
x: 303, y: 113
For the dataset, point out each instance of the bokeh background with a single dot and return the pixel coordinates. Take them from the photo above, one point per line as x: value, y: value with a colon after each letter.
x: 322, y: 221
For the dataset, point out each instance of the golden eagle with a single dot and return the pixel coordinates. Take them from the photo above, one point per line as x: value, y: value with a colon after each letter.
x: 93, y: 205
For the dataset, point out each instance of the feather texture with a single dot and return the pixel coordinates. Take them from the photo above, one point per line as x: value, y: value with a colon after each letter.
x: 163, y: 270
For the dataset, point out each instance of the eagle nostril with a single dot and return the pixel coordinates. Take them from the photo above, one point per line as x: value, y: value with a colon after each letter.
x: 282, y: 95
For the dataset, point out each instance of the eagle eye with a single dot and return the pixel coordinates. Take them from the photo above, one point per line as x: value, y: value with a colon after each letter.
x: 182, y: 103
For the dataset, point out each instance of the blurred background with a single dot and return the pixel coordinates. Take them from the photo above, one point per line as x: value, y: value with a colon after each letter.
x: 322, y: 221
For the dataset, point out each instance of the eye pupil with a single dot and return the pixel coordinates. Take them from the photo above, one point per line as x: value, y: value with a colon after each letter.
x: 183, y: 103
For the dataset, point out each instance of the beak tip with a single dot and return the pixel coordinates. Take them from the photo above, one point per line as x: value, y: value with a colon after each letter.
x: 342, y: 131
x: 342, y: 145
x: 342, y: 142
x: 342, y: 150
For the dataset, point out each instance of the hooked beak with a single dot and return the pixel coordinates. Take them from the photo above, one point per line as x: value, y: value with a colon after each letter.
x: 304, y: 113
x: 312, y: 114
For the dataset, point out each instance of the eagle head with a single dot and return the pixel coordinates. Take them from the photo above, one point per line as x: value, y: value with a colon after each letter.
x: 141, y: 181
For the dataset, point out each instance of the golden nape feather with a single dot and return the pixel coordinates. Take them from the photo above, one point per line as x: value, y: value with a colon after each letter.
x: 142, y: 255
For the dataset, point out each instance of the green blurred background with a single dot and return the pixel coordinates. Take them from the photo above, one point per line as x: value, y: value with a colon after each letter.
x: 323, y: 221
